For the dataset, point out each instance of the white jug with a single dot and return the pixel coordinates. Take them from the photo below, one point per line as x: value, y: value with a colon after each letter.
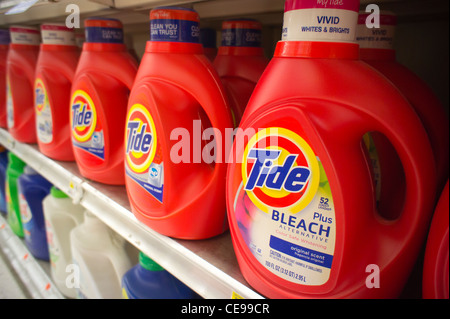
x: 61, y: 216
x: 101, y: 257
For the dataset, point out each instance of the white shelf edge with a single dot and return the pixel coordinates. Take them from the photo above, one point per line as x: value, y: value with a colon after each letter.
x: 34, y: 278
x: 197, y: 273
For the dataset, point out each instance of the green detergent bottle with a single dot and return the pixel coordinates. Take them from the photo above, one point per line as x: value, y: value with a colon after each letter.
x: 14, y: 170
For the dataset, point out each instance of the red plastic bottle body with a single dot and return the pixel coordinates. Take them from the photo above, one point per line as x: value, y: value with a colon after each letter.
x: 21, y: 66
x: 436, y: 263
x: 55, y: 70
x: 300, y: 195
x: 240, y: 62
x: 428, y: 107
x: 171, y: 184
x: 98, y: 106
x: 3, y: 55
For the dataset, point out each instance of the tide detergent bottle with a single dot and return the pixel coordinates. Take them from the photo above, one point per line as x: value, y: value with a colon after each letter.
x: 61, y: 216
x: 101, y: 257
x: 33, y: 188
x: 436, y: 263
x: 13, y: 172
x: 177, y: 105
x: 4, y: 47
x: 240, y: 62
x: 98, y: 105
x: 56, y: 65
x: 300, y: 193
x: 21, y: 66
x: 378, y: 51
x: 148, y: 280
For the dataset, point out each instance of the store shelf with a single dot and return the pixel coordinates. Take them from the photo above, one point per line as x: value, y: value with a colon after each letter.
x: 209, y: 267
x: 136, y: 11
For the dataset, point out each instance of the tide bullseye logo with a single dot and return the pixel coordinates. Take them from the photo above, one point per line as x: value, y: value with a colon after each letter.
x: 280, y: 171
x: 83, y: 116
x: 140, y: 139
x: 40, y: 96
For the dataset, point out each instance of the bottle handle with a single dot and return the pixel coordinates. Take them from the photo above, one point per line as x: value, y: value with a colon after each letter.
x: 125, y: 66
x: 404, y: 130
x: 120, y: 262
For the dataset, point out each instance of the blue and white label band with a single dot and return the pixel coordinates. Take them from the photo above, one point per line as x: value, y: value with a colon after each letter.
x: 104, y: 35
x: 319, y: 24
x: 173, y: 30
x: 241, y: 38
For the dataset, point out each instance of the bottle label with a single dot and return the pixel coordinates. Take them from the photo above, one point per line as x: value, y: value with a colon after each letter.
x: 241, y: 38
x: 124, y: 293
x: 330, y: 21
x: 87, y: 129
x: 24, y: 35
x: 54, y: 249
x: 9, y: 104
x: 143, y: 155
x: 284, y: 207
x: 57, y: 34
x: 26, y: 216
x: 9, y: 202
x: 173, y: 30
x: 376, y: 38
x: 44, y: 121
x: 104, y: 35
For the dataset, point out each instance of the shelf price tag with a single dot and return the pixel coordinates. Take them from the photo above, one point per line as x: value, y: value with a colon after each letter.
x: 9, y: 142
x: 235, y: 295
x: 75, y: 191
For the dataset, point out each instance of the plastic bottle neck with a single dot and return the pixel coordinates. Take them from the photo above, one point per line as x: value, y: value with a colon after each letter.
x: 173, y: 47
x: 104, y: 47
x: 28, y: 47
x: 149, y: 264
x: 317, y: 50
x: 58, y: 47
x: 240, y: 51
x: 377, y: 55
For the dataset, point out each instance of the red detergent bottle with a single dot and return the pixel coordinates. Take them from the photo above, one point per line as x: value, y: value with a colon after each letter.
x: 55, y: 69
x: 174, y: 184
x: 436, y: 265
x: 240, y: 62
x: 4, y: 46
x: 377, y: 49
x: 99, y: 97
x: 300, y: 194
x: 21, y: 67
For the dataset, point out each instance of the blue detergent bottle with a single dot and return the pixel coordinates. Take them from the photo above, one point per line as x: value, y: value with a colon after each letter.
x: 33, y: 188
x: 148, y: 280
x: 3, y: 167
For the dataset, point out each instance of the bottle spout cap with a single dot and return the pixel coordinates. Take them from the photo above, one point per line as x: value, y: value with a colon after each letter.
x: 320, y: 20
x: 241, y: 33
x: 102, y: 30
x: 57, y: 33
x: 174, y: 24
